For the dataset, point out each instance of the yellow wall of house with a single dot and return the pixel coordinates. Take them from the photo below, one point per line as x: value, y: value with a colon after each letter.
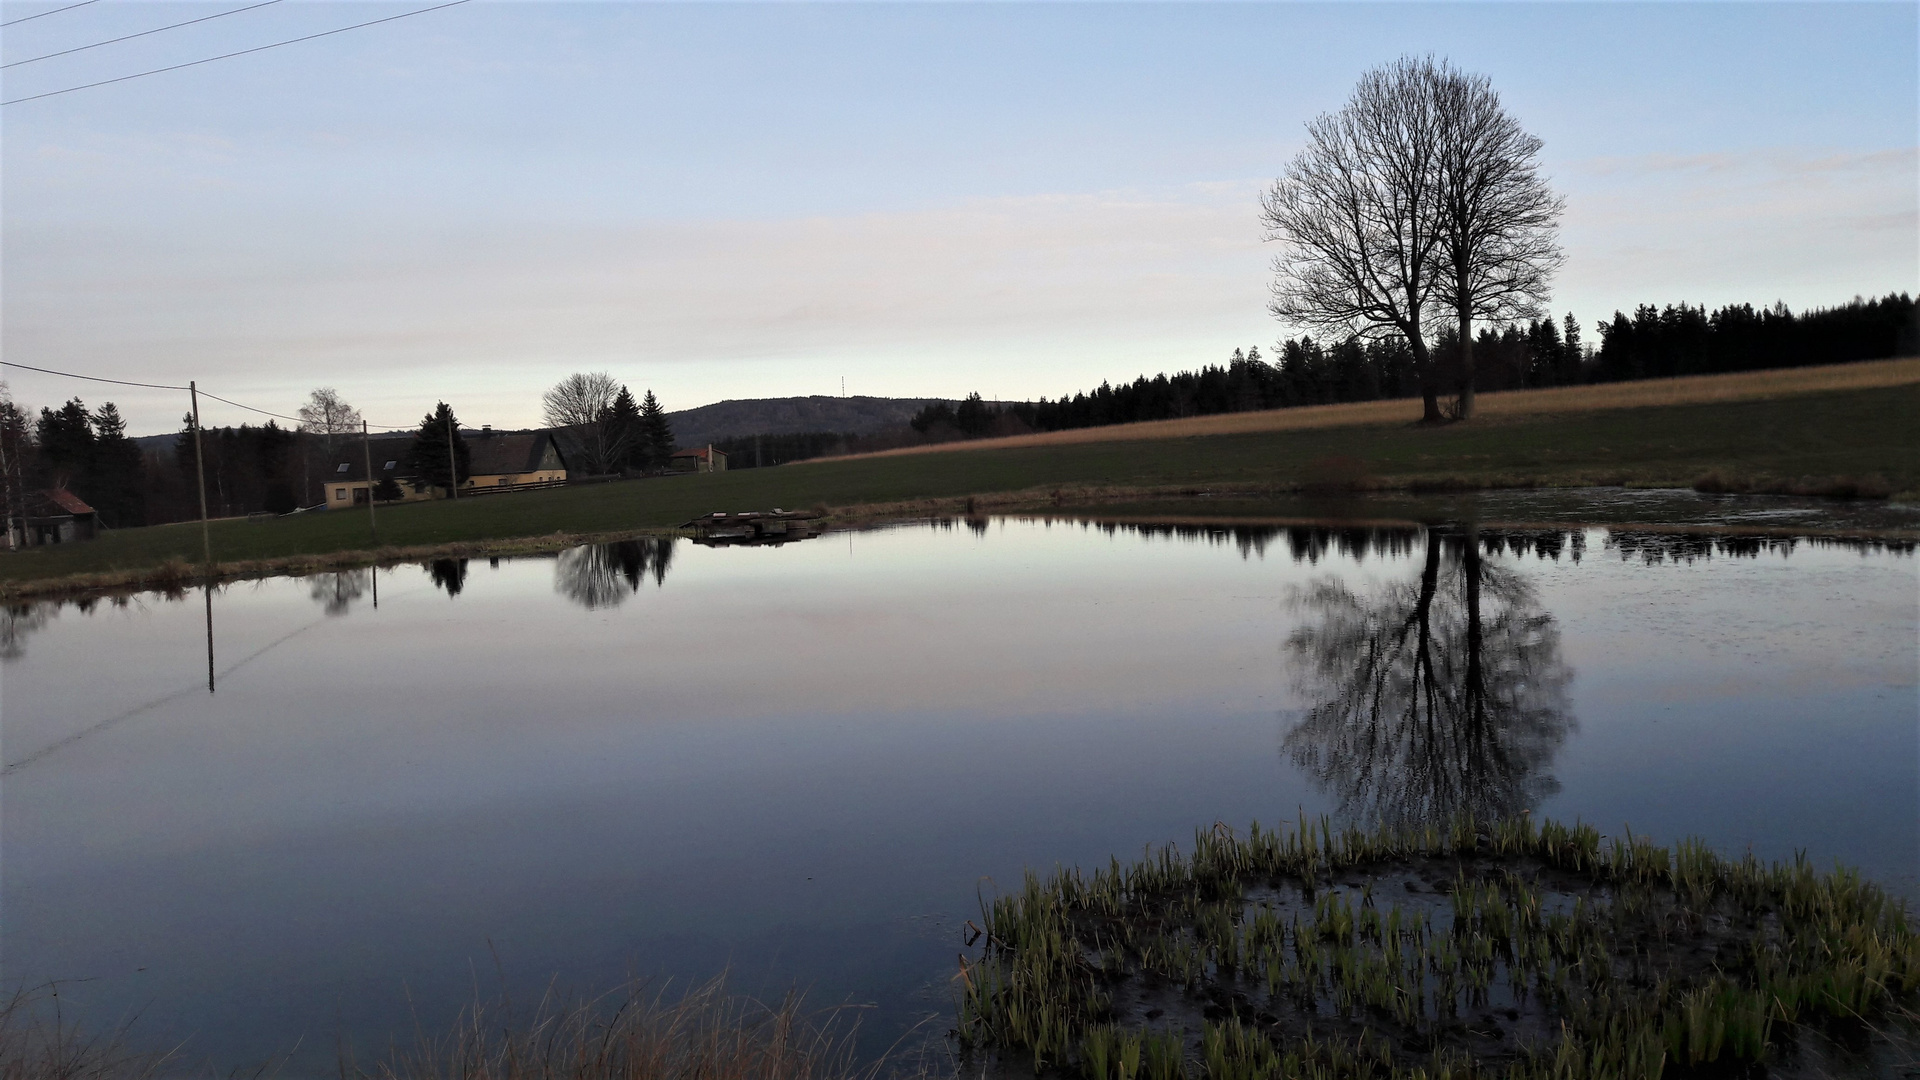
x: 544, y: 476
x: 340, y: 493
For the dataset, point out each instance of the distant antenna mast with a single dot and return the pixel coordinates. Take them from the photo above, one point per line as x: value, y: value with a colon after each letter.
x: 843, y: 386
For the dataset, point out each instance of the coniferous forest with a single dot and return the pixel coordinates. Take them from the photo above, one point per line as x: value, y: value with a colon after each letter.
x: 1651, y: 343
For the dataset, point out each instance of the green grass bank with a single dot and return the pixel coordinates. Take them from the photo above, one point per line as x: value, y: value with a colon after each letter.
x: 1854, y: 434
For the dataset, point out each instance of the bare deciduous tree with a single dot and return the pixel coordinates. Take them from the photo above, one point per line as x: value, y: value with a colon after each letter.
x: 1355, y: 216
x: 1497, y: 213
x: 585, y: 402
x: 1420, y: 198
x: 326, y: 415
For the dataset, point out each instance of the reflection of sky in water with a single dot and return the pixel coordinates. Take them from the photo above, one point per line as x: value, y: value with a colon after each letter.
x: 800, y: 760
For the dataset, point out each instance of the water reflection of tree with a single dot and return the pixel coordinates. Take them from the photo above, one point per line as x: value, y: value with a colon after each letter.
x: 449, y: 574
x: 18, y: 622
x: 1434, y: 696
x: 337, y: 591
x: 604, y: 575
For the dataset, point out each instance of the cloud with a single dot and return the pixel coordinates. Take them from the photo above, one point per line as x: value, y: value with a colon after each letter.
x: 1811, y: 227
x: 1107, y: 277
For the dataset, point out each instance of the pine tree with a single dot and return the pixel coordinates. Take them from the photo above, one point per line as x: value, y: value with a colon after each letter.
x: 621, y: 429
x: 66, y: 445
x: 429, y: 454
x: 118, y: 480
x: 656, y: 434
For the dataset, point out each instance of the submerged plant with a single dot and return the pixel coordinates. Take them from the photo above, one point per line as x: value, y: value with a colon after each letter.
x: 1516, y: 948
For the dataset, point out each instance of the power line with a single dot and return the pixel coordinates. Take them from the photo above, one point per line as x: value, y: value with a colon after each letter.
x: 231, y: 55
x: 203, y: 393
x: 44, y: 14
x: 143, y: 33
x: 91, y: 378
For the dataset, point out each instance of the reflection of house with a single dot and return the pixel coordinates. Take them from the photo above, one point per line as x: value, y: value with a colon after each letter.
x: 508, y: 461
x: 700, y: 459
x: 53, y: 516
x: 346, y: 481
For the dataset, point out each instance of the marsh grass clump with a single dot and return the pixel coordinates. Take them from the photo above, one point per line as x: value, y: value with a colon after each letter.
x: 632, y: 1034
x: 1516, y: 949
x: 38, y: 1042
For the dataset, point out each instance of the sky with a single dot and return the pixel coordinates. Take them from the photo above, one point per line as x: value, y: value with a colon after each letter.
x: 736, y: 200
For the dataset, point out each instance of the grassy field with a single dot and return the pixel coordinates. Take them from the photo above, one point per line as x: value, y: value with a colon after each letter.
x: 1690, y: 390
x: 1861, y: 432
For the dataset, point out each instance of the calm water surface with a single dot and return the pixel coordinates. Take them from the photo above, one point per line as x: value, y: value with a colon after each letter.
x: 800, y: 763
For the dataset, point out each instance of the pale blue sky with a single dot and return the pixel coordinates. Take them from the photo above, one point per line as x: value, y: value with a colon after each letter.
x: 746, y: 200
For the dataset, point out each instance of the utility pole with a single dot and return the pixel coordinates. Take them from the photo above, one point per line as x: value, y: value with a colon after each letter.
x: 366, y: 447
x: 6, y: 492
x: 453, y: 463
x: 206, y: 538
x: 200, y: 473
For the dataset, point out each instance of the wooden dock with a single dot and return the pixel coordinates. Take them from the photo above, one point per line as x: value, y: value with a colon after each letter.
x: 754, y: 527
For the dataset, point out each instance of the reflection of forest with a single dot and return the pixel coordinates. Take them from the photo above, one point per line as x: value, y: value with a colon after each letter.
x: 448, y: 574
x: 1311, y: 543
x: 604, y: 575
x: 1433, y: 696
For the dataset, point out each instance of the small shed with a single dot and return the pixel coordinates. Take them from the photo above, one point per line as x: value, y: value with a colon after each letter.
x: 55, y: 516
x: 700, y: 459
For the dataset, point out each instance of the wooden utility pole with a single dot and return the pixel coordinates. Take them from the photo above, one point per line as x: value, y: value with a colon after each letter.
x: 200, y: 473
x: 206, y: 537
x: 366, y: 448
x: 453, y: 463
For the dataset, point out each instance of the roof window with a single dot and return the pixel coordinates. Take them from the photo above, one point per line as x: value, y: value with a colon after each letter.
x: 342, y: 469
x: 389, y: 465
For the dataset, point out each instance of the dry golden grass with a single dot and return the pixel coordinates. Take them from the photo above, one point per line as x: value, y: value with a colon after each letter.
x: 1688, y: 390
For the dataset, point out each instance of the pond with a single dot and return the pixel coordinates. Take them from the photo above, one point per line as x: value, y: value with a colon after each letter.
x: 800, y: 764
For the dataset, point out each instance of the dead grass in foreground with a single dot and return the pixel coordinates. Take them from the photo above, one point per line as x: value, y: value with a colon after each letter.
x: 1687, y: 390
x: 629, y: 1034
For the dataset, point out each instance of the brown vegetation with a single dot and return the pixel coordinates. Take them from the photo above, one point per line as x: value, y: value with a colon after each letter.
x: 1686, y: 390
x: 631, y: 1033
x: 1721, y: 482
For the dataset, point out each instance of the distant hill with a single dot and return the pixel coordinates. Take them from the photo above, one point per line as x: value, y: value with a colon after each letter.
x: 753, y: 416
x: 786, y: 416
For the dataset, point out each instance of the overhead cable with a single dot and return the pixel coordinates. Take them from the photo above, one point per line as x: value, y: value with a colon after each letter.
x: 202, y: 393
x: 130, y: 37
x: 44, y: 14
x: 92, y: 378
x: 231, y: 55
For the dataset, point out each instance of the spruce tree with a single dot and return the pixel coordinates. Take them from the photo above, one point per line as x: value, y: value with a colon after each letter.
x: 118, y: 481
x: 621, y: 431
x: 429, y: 453
x: 656, y: 434
x: 66, y: 444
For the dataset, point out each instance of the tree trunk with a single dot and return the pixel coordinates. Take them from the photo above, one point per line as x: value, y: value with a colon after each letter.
x: 1429, y: 393
x: 1466, y: 361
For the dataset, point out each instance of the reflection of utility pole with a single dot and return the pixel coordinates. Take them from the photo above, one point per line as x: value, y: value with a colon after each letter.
x: 366, y: 448
x: 206, y: 589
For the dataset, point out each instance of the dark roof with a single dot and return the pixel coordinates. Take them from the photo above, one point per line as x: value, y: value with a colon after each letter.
x: 67, y: 501
x: 519, y: 452
x: 350, y: 453
x: 572, y: 444
x: 700, y: 452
